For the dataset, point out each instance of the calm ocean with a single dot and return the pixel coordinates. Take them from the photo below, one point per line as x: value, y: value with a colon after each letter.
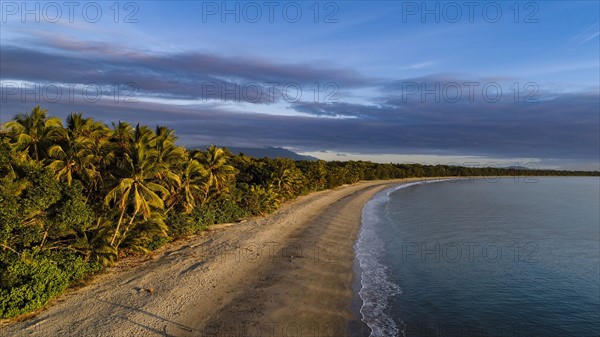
x: 505, y: 257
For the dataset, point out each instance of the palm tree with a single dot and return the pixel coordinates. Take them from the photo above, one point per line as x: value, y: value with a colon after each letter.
x: 121, y: 137
x: 78, y: 126
x: 168, y: 156
x: 73, y: 155
x: 265, y: 199
x: 164, y: 143
x: 287, y: 178
x: 34, y: 132
x: 137, y: 188
x: 103, y: 153
x: 316, y: 173
x: 94, y: 242
x: 215, y: 161
x: 191, y: 190
x: 72, y: 161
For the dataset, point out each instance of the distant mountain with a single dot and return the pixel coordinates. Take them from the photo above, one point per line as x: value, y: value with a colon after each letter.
x: 269, y: 152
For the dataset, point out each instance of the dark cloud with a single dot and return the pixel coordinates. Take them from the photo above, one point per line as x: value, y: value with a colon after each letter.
x: 342, y: 110
x: 565, y: 128
x: 179, y: 75
x: 561, y: 128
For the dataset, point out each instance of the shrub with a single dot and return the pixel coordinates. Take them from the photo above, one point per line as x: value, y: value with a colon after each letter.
x: 28, y: 283
x: 31, y: 280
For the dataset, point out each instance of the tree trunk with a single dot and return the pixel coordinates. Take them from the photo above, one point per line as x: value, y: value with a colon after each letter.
x: 127, y: 228
x: 44, y: 238
x: 118, y: 227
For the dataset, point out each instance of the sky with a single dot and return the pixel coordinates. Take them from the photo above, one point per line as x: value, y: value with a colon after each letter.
x: 472, y: 83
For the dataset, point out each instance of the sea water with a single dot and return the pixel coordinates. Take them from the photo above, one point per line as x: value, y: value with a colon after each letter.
x: 482, y: 257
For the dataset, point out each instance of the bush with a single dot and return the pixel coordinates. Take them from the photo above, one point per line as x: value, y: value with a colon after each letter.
x: 229, y: 211
x: 217, y: 212
x: 28, y: 283
x: 73, y: 264
x: 31, y: 280
x: 156, y: 242
x: 181, y: 224
x: 204, y: 215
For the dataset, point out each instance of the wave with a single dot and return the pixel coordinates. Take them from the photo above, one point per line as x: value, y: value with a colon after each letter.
x: 376, y: 286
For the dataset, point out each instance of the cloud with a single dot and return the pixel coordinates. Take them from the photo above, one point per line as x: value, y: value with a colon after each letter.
x: 421, y: 65
x: 551, y: 126
x: 586, y: 35
x: 565, y: 128
x: 399, y: 118
x: 189, y: 75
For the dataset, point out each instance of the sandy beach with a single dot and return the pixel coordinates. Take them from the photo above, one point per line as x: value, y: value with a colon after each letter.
x: 287, y: 274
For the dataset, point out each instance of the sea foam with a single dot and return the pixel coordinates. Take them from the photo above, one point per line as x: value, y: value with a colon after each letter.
x: 376, y: 286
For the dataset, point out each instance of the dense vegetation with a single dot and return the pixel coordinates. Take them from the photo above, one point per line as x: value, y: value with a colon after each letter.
x: 75, y: 198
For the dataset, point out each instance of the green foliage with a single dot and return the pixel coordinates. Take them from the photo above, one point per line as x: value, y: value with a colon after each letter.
x: 261, y: 199
x: 146, y: 234
x: 182, y: 224
x: 7, y: 158
x: 29, y: 282
x: 27, y: 199
x: 287, y: 180
x: 72, y: 214
x: 42, y: 190
x: 73, y: 264
x: 228, y: 211
x: 9, y: 210
x: 75, y: 198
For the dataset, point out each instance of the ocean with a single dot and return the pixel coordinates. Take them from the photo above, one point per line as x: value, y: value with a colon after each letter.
x: 482, y: 257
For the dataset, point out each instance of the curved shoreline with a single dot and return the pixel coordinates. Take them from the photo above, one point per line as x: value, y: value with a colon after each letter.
x: 375, y: 288
x: 290, y: 272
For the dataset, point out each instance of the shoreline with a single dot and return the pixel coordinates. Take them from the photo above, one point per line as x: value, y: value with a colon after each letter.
x: 289, y: 272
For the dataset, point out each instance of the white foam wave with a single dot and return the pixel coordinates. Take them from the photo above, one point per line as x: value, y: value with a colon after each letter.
x: 376, y: 286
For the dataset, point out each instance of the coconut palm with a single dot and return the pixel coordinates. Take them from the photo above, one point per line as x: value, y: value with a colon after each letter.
x: 264, y: 199
x: 94, y: 242
x: 121, y: 137
x: 34, y: 132
x: 73, y: 155
x: 137, y: 188
x: 287, y: 178
x: 164, y: 143
x: 215, y: 161
x: 78, y: 126
x: 72, y: 161
x: 190, y: 192
x: 103, y: 153
x: 168, y: 155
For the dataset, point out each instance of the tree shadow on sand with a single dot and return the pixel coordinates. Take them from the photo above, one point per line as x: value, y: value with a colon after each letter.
x: 162, y: 332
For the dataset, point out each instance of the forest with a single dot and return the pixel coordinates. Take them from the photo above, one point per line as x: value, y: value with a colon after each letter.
x: 77, y: 196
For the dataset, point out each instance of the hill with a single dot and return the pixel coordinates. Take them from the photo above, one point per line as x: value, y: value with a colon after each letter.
x: 270, y: 152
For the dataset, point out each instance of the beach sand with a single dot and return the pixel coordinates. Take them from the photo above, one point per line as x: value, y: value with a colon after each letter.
x: 287, y: 274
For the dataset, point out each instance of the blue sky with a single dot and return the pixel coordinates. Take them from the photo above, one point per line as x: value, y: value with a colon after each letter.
x: 393, y: 85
